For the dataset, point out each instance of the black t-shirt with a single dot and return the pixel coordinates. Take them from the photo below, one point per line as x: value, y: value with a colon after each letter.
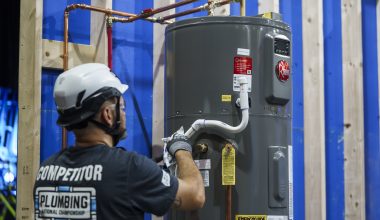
x: 100, y: 182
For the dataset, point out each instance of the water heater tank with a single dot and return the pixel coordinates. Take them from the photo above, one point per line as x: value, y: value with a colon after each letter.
x: 204, y: 59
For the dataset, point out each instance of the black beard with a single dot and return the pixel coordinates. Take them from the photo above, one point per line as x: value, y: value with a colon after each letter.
x: 122, y: 134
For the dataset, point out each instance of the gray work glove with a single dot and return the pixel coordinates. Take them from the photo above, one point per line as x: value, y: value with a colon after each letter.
x: 178, y: 142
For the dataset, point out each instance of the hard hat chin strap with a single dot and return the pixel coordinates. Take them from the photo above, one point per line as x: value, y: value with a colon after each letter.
x: 114, y: 131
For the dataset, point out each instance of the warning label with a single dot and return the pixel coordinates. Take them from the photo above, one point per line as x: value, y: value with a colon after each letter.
x: 242, y: 68
x: 242, y: 65
x: 251, y: 217
x: 65, y: 202
x: 228, y: 165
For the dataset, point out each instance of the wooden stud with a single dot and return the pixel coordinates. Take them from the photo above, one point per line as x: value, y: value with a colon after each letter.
x: 268, y: 6
x: 98, y: 31
x: 158, y: 83
x: 30, y: 63
x: 313, y: 70
x: 353, y: 110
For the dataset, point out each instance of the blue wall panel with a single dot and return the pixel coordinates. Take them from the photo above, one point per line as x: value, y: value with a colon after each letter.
x: 292, y: 14
x: 235, y: 9
x: 251, y: 8
x: 333, y: 110
x: 79, y: 28
x: 79, y: 32
x: 132, y: 58
x: 371, y: 110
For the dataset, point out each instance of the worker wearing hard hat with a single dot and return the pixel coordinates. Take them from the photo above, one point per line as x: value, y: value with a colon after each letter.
x: 94, y: 179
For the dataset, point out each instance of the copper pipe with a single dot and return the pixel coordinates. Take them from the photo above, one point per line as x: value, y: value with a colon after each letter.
x: 151, y: 19
x: 65, y: 66
x: 204, y: 7
x: 149, y: 12
x: 109, y: 42
x: 131, y: 17
x: 97, y: 9
x: 66, y: 41
x: 228, y: 202
x: 191, y: 11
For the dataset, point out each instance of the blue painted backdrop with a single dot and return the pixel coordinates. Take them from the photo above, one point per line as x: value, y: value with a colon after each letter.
x: 132, y: 58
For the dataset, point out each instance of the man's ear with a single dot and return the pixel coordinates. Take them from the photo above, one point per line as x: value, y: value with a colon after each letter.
x: 107, y: 116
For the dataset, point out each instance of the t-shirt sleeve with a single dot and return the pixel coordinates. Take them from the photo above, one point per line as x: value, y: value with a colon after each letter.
x: 151, y: 188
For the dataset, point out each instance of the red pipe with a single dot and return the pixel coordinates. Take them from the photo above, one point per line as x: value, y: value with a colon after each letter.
x: 109, y: 42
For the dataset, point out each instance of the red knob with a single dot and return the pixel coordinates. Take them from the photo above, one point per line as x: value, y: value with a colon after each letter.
x: 282, y: 70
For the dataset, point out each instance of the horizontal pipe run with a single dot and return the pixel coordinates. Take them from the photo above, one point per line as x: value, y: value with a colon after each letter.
x: 204, y: 7
x: 151, y: 19
x: 98, y: 9
x: 159, y: 10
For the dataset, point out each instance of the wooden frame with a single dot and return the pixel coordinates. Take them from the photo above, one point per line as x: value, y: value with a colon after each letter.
x: 158, y: 118
x: 265, y: 6
x: 29, y: 104
x: 352, y: 55
x: 79, y: 53
x: 36, y: 53
x: 314, y: 117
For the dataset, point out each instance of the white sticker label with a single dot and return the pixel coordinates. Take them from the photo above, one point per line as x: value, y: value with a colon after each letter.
x: 236, y: 85
x: 206, y: 177
x: 276, y: 217
x: 65, y: 202
x: 242, y: 51
x: 204, y: 164
x: 290, y: 167
x: 165, y: 179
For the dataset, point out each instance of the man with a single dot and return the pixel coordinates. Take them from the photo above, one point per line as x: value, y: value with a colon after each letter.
x: 96, y: 180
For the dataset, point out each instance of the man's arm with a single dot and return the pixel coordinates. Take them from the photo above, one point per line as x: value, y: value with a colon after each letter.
x: 191, y: 191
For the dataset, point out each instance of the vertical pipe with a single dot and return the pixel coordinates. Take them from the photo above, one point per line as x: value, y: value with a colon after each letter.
x: 228, y: 201
x: 109, y: 41
x: 65, y: 65
x: 65, y: 40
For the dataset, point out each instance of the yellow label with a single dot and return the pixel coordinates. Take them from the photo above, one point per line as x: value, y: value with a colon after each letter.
x: 226, y: 98
x: 267, y: 15
x: 228, y: 165
x: 251, y: 217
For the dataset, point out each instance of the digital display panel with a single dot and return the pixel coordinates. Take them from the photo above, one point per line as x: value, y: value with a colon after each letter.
x: 282, y: 47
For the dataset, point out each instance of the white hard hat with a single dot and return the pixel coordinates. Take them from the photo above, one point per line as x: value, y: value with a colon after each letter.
x: 80, y: 91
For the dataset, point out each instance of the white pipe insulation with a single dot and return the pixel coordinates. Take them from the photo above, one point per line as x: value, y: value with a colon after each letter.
x: 221, y: 126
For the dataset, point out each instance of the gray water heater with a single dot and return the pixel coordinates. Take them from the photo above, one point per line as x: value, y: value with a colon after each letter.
x: 204, y: 58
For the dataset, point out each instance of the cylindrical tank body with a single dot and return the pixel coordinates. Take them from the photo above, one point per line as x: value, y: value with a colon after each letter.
x: 204, y: 58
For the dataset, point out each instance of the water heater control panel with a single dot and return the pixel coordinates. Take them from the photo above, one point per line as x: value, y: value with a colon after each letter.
x: 277, y: 68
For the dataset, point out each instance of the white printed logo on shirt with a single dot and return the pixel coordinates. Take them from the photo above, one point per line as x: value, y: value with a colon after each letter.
x: 65, y: 202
